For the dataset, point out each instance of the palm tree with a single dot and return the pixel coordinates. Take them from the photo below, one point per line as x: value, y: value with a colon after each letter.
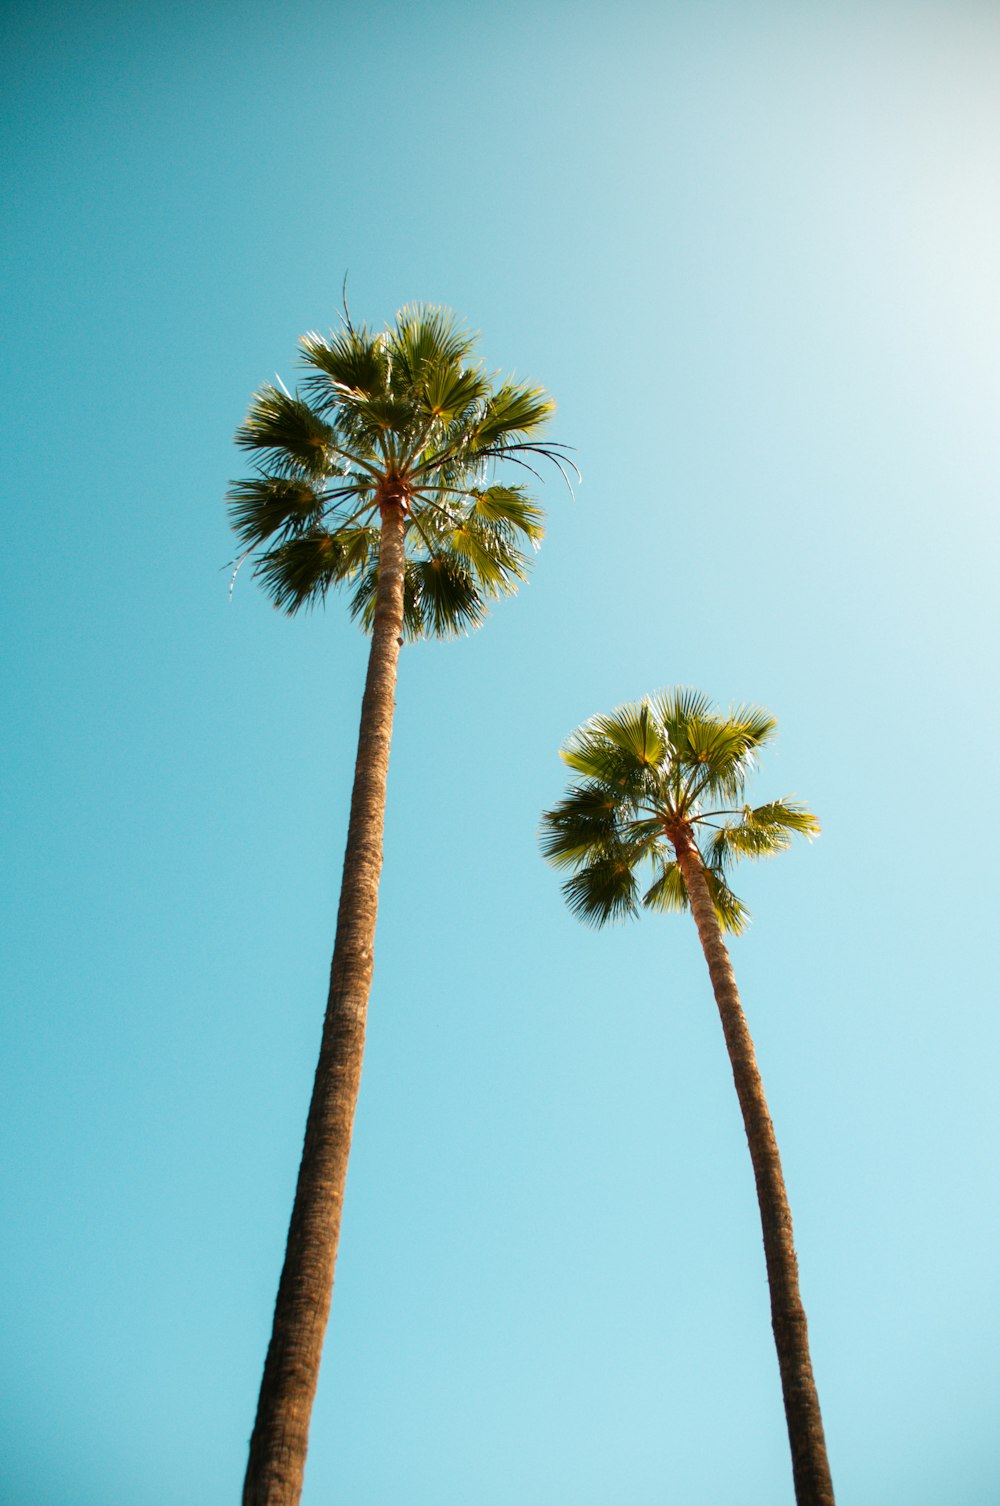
x: 655, y: 818
x: 376, y: 477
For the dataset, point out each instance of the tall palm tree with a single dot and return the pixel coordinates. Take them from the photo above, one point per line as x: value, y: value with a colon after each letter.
x: 376, y: 477
x: 654, y: 819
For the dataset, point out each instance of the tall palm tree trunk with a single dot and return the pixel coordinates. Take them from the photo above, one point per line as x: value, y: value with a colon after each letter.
x: 810, y: 1468
x: 281, y: 1432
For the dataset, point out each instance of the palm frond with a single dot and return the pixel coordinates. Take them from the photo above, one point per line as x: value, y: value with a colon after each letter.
x: 514, y: 409
x: 732, y: 913
x: 762, y: 831
x: 450, y: 392
x: 450, y: 603
x: 550, y: 451
x: 633, y: 730
x: 294, y: 437
x: 510, y: 504
x: 787, y: 813
x: 733, y: 842
x: 755, y: 724
x: 720, y: 757
x: 349, y: 360
x: 605, y: 890
x: 621, y: 751
x: 497, y: 565
x: 618, y: 770
x: 582, y: 823
x: 266, y: 505
x: 300, y: 571
x: 425, y: 336
x: 674, y: 708
x: 669, y: 891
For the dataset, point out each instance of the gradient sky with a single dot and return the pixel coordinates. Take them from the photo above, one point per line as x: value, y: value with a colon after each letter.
x: 752, y: 250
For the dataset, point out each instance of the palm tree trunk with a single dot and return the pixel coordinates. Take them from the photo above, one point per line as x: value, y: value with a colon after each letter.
x: 810, y: 1468
x: 281, y: 1432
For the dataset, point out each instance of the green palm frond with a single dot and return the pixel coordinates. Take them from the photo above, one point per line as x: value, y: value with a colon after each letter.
x: 603, y: 891
x: 619, y: 771
x: 668, y: 891
x: 266, y: 505
x: 512, y: 412
x: 717, y: 752
x: 425, y: 337
x: 349, y: 360
x: 378, y: 417
x: 633, y: 730
x: 619, y: 751
x: 733, y: 842
x: 674, y: 708
x: 449, y: 393
x: 732, y: 912
x: 487, y: 549
x: 510, y: 504
x: 719, y: 755
x: 449, y: 598
x: 787, y: 813
x: 294, y: 437
x: 584, y: 822
x: 762, y: 831
x: 755, y: 724
x: 300, y: 571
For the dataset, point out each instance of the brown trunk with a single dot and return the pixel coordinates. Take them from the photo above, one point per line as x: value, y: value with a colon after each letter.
x: 810, y: 1468
x: 281, y: 1432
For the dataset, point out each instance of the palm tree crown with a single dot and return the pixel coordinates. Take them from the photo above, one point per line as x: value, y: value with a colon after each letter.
x: 656, y: 777
x: 405, y: 416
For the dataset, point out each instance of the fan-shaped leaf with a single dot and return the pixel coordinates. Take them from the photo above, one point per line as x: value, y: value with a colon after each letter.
x: 732, y: 912
x: 300, y: 571
x: 669, y: 891
x: 510, y: 504
x: 350, y: 359
x: 587, y: 819
x: 513, y: 410
x: 449, y: 601
x: 295, y: 437
x: 498, y: 567
x: 268, y: 504
x: 603, y: 891
x: 426, y: 337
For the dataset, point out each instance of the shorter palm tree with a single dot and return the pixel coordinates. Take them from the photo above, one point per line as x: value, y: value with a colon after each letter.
x: 654, y: 820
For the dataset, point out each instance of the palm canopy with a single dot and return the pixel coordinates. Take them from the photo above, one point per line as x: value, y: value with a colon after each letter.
x: 403, y: 415
x: 653, y: 778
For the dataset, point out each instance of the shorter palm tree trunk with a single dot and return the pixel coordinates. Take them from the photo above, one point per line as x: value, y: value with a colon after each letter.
x: 810, y: 1467
x: 291, y: 1371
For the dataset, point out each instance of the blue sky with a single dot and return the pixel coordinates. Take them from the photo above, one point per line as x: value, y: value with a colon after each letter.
x: 752, y: 252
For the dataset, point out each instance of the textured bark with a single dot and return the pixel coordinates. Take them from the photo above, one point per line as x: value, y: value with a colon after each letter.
x: 810, y: 1468
x: 281, y: 1432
